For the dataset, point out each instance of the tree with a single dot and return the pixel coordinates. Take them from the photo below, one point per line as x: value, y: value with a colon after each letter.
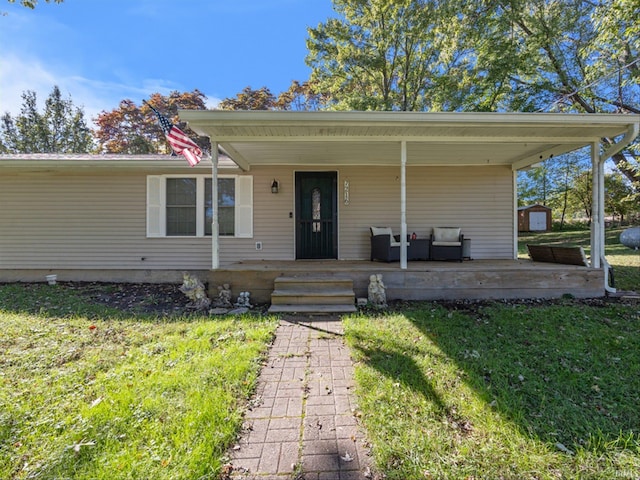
x: 566, y: 168
x: 32, y: 3
x: 133, y: 129
x: 619, y: 198
x: 582, y: 198
x: 299, y: 96
x: 558, y: 183
x: 483, y: 55
x: 534, y: 184
x: 390, y: 54
x: 249, y: 99
x: 582, y: 57
x: 61, y: 128
x: 302, y: 97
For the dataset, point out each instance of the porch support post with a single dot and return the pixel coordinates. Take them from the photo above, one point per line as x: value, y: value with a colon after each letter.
x: 215, y: 239
x: 601, y: 192
x: 597, y: 210
x: 403, y: 205
x: 516, y: 219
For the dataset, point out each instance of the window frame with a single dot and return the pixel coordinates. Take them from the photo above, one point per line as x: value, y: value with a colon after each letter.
x: 157, y: 205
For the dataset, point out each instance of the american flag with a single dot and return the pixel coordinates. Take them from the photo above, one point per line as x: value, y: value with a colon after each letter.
x: 180, y: 143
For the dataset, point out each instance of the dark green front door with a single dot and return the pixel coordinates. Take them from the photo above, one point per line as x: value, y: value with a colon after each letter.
x: 316, y: 215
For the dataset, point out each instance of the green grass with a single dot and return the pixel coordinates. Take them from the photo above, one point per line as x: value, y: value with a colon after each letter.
x: 87, y: 392
x: 625, y: 262
x: 510, y: 391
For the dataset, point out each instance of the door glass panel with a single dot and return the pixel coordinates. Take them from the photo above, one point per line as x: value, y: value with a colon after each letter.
x: 316, y: 197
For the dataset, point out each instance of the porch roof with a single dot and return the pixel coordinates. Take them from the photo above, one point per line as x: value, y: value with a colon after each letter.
x: 373, y: 138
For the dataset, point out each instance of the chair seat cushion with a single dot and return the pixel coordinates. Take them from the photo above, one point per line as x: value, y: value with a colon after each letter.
x: 446, y: 244
x: 397, y: 244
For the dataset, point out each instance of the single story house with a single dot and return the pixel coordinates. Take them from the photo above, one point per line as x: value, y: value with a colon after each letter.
x: 534, y: 218
x: 299, y: 191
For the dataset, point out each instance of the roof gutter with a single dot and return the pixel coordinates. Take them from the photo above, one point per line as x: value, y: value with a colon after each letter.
x: 632, y: 133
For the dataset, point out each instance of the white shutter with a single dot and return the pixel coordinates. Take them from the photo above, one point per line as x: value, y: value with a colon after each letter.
x: 244, y: 206
x: 155, y: 206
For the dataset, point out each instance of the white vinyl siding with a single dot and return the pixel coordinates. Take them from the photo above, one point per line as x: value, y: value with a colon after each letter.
x: 84, y: 220
x: 87, y: 222
x: 477, y: 199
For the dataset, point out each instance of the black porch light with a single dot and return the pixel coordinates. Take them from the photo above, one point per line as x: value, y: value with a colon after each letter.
x: 274, y: 186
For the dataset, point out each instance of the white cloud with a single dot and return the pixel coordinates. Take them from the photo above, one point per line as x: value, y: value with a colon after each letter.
x: 19, y: 74
x: 212, y: 103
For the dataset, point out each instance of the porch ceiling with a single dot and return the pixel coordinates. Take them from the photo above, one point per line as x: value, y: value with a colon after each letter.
x: 373, y: 138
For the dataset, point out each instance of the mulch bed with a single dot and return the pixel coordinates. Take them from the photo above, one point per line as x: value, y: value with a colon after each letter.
x: 167, y: 299
x: 164, y: 299
x: 151, y: 298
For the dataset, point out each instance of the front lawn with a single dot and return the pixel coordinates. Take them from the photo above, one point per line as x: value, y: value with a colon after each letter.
x: 90, y: 392
x: 501, y: 390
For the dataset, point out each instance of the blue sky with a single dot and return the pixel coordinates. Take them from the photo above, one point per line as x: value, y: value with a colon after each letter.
x: 102, y: 51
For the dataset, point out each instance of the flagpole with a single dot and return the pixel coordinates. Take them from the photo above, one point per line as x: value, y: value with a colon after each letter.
x: 215, y: 248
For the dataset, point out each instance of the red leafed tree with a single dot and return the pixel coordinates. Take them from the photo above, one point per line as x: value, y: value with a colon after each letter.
x: 134, y: 129
x: 299, y: 96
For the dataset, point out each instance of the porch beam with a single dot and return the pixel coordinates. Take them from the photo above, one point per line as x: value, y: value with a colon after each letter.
x: 541, y: 156
x: 237, y: 157
x: 452, y: 139
x: 403, y: 205
x: 215, y: 238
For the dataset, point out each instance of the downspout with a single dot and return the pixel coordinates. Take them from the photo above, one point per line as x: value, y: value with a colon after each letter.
x: 632, y: 133
x: 215, y: 238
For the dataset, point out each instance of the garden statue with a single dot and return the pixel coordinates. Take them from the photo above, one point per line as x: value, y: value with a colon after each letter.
x: 224, y: 296
x: 243, y: 300
x: 377, y: 292
x: 194, y: 289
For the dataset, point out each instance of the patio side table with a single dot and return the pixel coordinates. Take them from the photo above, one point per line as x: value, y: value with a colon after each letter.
x: 466, y: 249
x: 418, y: 249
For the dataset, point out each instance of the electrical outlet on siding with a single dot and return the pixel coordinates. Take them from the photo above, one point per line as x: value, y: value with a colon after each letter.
x: 258, y: 245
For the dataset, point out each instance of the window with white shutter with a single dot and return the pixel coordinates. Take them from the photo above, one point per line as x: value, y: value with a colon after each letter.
x: 181, y: 205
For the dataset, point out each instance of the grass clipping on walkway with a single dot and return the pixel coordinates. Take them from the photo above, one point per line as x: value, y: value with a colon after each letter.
x: 501, y: 391
x: 87, y: 392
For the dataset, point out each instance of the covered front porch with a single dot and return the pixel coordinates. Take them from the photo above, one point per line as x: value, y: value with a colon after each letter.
x: 475, y: 279
x: 412, y: 172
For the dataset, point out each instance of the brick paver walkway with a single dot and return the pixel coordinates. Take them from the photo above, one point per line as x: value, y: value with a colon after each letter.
x: 302, y: 423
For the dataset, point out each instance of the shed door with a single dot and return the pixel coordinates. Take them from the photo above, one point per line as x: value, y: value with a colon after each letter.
x: 537, y: 221
x: 316, y: 215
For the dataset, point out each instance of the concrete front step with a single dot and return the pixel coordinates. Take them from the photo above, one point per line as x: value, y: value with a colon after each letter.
x: 319, y: 297
x: 311, y: 308
x: 312, y: 295
x: 310, y: 283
